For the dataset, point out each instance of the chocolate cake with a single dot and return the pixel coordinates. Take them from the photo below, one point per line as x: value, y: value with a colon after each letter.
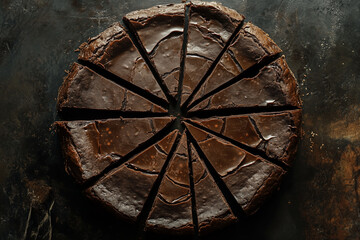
x: 183, y: 121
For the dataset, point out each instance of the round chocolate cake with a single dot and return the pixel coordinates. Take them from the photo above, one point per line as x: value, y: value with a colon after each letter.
x: 183, y: 120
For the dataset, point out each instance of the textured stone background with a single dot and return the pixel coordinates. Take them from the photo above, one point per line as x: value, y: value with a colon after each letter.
x: 318, y: 200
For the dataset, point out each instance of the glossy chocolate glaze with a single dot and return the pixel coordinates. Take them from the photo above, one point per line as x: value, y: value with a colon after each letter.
x: 254, y: 182
x: 195, y: 68
x: 281, y: 133
x: 90, y: 146
x: 156, y: 23
x: 172, y: 207
x: 202, y: 42
x: 210, y: 27
x: 249, y: 47
x: 212, y: 210
x: 252, y: 45
x: 251, y: 179
x: 274, y: 85
x: 125, y: 189
x: 114, y: 51
x: 160, y: 30
x: 215, y: 17
x: 276, y: 134
x: 225, y: 70
x: 202, y: 50
x: 85, y: 89
x: 166, y: 57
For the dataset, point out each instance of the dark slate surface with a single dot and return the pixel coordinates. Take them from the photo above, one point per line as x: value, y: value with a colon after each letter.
x: 318, y: 200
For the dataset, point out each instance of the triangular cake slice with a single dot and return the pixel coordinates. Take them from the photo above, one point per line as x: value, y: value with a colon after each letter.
x: 114, y: 51
x: 172, y: 211
x: 249, y: 47
x: 126, y: 188
x: 276, y: 134
x: 251, y: 179
x: 85, y: 89
x: 210, y: 27
x: 90, y: 146
x: 274, y: 85
x: 212, y: 210
x: 160, y: 29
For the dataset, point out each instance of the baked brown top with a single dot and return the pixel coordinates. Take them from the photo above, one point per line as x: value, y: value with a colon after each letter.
x: 184, y: 121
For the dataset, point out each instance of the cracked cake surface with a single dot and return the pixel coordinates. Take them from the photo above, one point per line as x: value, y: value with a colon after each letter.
x: 183, y: 121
